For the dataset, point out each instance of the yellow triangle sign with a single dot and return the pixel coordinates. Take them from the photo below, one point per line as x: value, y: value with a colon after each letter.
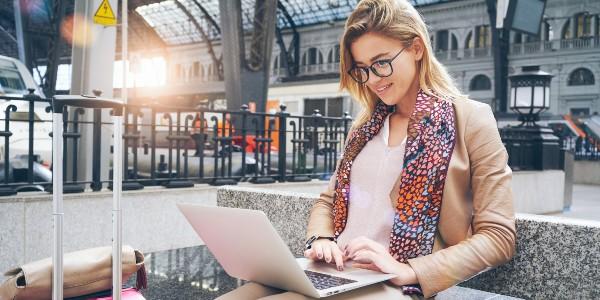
x: 105, y: 15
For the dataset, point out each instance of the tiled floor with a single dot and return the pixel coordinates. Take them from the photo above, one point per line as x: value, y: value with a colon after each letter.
x: 586, y: 203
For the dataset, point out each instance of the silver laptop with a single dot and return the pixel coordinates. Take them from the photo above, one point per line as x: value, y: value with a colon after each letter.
x: 248, y: 247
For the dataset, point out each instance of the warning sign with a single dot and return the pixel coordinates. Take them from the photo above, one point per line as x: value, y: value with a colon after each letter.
x: 105, y: 15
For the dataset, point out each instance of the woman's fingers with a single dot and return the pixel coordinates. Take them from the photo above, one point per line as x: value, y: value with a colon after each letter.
x: 364, y: 256
x: 366, y: 266
x: 310, y: 254
x: 361, y: 243
x: 338, y: 257
x: 318, y: 248
x: 327, y: 251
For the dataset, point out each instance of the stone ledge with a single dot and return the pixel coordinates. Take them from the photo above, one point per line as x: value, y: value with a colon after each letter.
x: 557, y: 258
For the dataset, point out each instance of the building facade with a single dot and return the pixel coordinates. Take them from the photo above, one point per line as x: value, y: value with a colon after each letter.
x: 568, y: 48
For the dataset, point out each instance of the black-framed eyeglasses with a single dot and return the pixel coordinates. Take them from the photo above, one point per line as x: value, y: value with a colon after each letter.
x: 381, y: 68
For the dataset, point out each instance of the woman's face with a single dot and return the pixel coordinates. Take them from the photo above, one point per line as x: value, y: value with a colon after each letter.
x: 374, y: 48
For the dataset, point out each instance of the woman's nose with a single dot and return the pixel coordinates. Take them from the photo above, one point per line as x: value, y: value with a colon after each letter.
x: 373, y: 79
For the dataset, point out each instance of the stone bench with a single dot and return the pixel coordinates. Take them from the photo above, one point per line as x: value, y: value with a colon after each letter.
x: 557, y: 258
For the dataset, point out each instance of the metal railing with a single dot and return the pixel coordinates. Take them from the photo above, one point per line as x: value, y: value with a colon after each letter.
x: 586, y: 148
x: 555, y: 45
x: 178, y: 147
x: 172, y: 146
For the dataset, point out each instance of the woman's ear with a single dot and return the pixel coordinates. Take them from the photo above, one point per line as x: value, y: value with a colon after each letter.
x: 418, y: 47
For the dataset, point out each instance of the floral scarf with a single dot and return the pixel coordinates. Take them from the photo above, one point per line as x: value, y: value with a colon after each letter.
x: 430, y: 141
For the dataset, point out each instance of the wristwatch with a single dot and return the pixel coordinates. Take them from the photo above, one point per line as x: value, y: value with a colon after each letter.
x: 316, y: 237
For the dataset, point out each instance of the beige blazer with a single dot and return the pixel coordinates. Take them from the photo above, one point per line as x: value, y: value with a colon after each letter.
x: 476, y: 229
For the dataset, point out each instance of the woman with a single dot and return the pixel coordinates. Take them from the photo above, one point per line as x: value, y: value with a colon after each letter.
x: 423, y: 188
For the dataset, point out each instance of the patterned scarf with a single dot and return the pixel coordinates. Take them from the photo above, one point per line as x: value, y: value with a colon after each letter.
x: 430, y: 142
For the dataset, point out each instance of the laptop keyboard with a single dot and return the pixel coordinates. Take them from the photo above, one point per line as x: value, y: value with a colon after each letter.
x: 324, y: 281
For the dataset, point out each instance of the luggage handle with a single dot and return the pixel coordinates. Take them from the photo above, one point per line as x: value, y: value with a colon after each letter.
x: 85, y: 101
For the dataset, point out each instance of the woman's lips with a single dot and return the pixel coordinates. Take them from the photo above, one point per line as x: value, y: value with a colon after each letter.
x: 382, y: 89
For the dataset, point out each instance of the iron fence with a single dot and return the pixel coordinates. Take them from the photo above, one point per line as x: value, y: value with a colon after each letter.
x: 179, y: 147
x: 169, y: 146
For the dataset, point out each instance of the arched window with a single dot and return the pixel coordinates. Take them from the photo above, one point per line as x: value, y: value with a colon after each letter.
x: 197, y: 70
x: 581, y: 76
x: 469, y: 43
x: 454, y: 42
x: 583, y: 24
x: 441, y: 40
x: 334, y: 55
x: 480, y: 83
x: 312, y: 56
x: 483, y: 36
x: 566, y: 31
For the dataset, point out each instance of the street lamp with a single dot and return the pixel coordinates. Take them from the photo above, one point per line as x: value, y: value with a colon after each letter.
x: 530, y: 94
x: 531, y: 146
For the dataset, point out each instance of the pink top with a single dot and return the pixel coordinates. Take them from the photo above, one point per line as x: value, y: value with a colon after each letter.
x: 374, y: 173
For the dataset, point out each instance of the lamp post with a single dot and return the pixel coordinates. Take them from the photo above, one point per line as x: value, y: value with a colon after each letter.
x: 530, y: 94
x: 531, y: 146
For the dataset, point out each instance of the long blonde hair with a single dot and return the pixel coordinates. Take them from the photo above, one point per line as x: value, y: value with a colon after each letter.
x: 400, y: 20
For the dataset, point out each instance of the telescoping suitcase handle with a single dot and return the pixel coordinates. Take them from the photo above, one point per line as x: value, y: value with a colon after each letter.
x: 84, y: 101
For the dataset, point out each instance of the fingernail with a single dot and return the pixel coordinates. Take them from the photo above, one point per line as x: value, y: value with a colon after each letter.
x: 328, y: 260
x: 320, y: 255
x: 340, y: 268
x: 346, y: 252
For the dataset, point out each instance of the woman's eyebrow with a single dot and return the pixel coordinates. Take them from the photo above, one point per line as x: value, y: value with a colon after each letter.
x: 374, y: 58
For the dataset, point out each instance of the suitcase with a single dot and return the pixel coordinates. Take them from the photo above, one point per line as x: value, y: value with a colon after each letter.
x: 83, y: 101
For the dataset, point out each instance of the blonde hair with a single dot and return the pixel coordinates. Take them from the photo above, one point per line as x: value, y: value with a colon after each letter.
x: 400, y: 20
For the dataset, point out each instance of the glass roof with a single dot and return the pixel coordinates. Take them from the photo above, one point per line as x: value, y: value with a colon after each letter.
x: 170, y: 19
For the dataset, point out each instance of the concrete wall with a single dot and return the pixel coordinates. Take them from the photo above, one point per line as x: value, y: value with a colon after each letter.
x: 586, y: 172
x: 151, y: 220
x: 538, y: 192
x: 153, y: 223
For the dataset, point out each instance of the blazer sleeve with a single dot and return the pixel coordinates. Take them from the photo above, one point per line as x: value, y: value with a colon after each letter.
x: 320, y: 221
x: 493, y: 223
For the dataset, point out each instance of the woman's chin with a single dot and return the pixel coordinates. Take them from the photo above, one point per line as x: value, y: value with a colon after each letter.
x: 388, y: 101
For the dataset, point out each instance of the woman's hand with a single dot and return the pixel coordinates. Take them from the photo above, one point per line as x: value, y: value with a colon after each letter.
x: 368, y: 254
x: 325, y: 249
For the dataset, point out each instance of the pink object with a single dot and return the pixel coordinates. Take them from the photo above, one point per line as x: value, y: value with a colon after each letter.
x: 126, y: 294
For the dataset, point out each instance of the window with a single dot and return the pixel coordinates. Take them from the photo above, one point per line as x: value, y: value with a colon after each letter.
x: 454, y: 44
x: 334, y: 55
x: 581, y: 76
x: 566, y: 31
x: 442, y: 40
x: 469, y: 43
x: 328, y: 107
x: 10, y: 79
x: 312, y: 57
x: 580, y: 111
x: 483, y: 36
x: 197, y: 69
x: 583, y: 25
x: 480, y: 83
